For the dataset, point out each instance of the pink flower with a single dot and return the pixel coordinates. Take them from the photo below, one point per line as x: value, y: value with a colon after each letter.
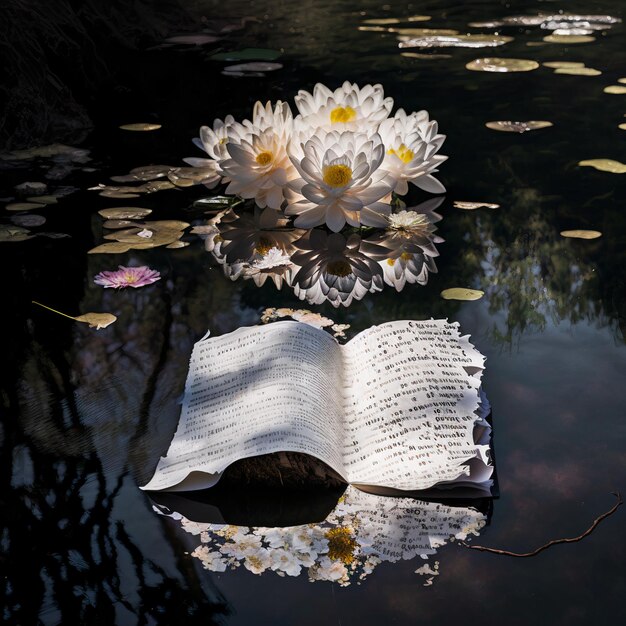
x: 127, y: 277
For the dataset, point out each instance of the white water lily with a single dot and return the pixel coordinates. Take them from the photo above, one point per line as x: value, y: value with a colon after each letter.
x: 411, y: 143
x: 340, y: 181
x: 274, y: 264
x: 259, y: 166
x: 347, y: 108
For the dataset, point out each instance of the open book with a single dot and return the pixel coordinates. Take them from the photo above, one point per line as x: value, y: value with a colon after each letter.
x: 398, y: 408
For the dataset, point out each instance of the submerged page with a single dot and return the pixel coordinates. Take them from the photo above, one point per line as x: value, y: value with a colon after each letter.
x: 411, y: 405
x: 256, y: 391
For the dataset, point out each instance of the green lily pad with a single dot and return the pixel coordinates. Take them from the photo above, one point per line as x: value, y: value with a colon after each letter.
x: 247, y: 54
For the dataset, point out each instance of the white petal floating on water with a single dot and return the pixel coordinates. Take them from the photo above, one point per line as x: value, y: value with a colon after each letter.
x: 518, y: 127
x: 581, y: 234
x: 569, y: 32
x: 29, y: 220
x: 485, y: 24
x: 254, y: 66
x: 177, y: 244
x: 125, y: 213
x: 621, y: 80
x: 455, y: 41
x: 199, y: 39
x: 568, y: 39
x: 373, y: 29
x: 563, y: 64
x: 460, y: 293
x: 622, y: 126
x: 24, y: 206
x: 605, y: 165
x: 120, y: 195
x: 496, y: 64
x: 470, y: 206
x: 140, y: 126
x: 615, y: 89
x: 578, y: 71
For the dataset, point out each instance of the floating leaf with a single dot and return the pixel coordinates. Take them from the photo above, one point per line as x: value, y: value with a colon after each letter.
x: 470, y: 206
x: 495, y: 64
x: 417, y: 55
x: 97, y: 320
x: 518, y: 127
x: 111, y: 248
x: 605, y: 165
x: 120, y: 195
x: 563, y: 64
x: 199, y: 39
x: 254, y: 66
x: 24, y: 206
x: 382, y: 21
x: 621, y: 80
x: 373, y: 29
x: 423, y: 32
x: 125, y: 213
x: 247, y: 54
x: 54, y: 235
x: 28, y: 220
x: 459, y: 293
x: 615, y: 89
x: 140, y: 126
x: 581, y: 234
x: 43, y: 199
x: 177, y: 244
x: 568, y: 38
x: 56, y: 149
x: 578, y: 71
x: 622, y: 126
x: 117, y: 224
x: 11, y: 233
x: 452, y: 41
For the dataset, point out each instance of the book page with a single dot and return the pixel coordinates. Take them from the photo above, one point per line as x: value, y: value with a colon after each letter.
x: 411, y: 406
x: 256, y: 391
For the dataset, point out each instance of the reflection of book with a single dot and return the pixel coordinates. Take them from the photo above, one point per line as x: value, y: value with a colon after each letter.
x: 344, y: 545
x: 396, y: 408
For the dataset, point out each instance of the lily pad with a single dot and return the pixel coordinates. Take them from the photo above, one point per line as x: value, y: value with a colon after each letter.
x: 460, y: 293
x: 518, y: 127
x: 622, y: 126
x: 470, y: 206
x: 581, y: 234
x: 120, y: 195
x: 116, y: 247
x: 247, y: 54
x: 125, y: 213
x: 496, y: 64
x: 199, y: 39
x: 140, y: 126
x: 568, y: 38
x: 97, y: 320
x: 605, y: 165
x: 28, y: 220
x: 452, y: 41
x: 417, y: 55
x: 43, y: 199
x: 578, y: 71
x: 615, y: 89
x: 254, y: 66
x: 14, y: 233
x: 24, y: 206
x: 563, y: 64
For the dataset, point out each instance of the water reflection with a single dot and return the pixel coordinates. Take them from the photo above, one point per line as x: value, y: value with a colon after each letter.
x: 320, y: 266
x: 361, y: 532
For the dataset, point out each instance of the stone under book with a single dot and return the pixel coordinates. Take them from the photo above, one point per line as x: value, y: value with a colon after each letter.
x: 397, y: 409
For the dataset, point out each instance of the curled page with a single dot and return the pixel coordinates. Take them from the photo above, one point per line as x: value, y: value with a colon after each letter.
x: 255, y: 391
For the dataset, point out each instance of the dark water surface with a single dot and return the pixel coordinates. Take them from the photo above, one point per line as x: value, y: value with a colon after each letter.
x: 86, y: 414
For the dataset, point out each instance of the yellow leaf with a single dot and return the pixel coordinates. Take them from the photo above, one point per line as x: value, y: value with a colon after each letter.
x: 97, y: 320
x: 581, y: 234
x: 459, y: 293
x: 605, y: 165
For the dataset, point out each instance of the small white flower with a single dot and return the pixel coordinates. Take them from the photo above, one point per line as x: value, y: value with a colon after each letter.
x: 258, y: 561
x: 340, y: 181
x: 210, y: 560
x: 285, y: 561
x: 412, y: 143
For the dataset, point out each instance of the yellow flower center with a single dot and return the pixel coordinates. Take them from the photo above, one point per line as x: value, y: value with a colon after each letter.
x: 223, y: 140
x: 406, y: 256
x: 339, y: 268
x: 391, y: 262
x: 130, y: 278
x: 263, y: 158
x: 264, y: 246
x: 337, y: 175
x: 341, y: 545
x: 403, y: 153
x: 342, y: 114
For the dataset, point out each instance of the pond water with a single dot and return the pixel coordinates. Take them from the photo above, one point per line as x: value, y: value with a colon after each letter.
x: 86, y: 412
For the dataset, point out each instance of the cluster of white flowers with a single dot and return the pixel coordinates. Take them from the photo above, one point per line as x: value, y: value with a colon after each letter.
x: 338, y: 161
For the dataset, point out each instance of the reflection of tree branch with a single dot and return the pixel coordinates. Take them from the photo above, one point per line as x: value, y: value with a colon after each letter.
x: 554, y: 542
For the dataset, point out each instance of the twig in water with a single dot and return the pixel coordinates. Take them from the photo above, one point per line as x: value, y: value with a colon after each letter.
x: 554, y: 541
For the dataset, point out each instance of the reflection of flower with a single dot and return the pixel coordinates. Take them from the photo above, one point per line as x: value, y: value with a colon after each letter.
x: 340, y: 181
x: 273, y: 264
x: 335, y: 269
x: 127, y: 277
